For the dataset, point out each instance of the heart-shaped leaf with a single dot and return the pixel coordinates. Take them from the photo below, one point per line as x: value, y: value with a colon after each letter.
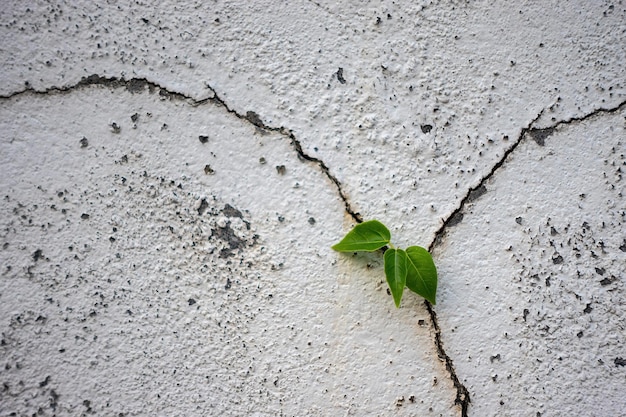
x: 367, y: 236
x: 396, y: 272
x: 421, y: 275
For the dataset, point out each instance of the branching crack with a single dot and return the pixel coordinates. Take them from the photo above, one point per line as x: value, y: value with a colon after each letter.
x: 135, y: 85
x: 474, y: 192
x: 254, y: 118
x: 138, y: 85
x: 538, y: 135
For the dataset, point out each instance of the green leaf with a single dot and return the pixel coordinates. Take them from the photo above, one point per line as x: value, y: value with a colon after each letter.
x: 421, y: 275
x: 367, y: 236
x: 396, y: 270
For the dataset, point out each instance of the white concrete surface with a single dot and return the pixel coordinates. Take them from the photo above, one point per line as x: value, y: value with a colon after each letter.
x: 166, y: 252
x: 537, y: 271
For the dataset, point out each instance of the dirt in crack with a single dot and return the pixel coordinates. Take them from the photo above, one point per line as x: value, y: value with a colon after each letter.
x: 139, y: 85
x: 539, y: 135
x: 462, y: 393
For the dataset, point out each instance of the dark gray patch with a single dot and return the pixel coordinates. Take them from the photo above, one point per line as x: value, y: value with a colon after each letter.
x: 540, y: 135
x: 311, y: 221
x: 475, y: 194
x: 340, y: 76
x: 455, y: 219
x: 136, y: 85
x: 557, y: 258
x: 191, y: 301
x: 623, y: 247
x: 45, y: 381
x: 95, y: 79
x: 518, y: 220
x: 208, y: 170
x: 203, y: 207
x: 84, y: 142
x: 426, y: 128
x: 226, y: 253
x: 227, y: 234
x: 37, y: 255
x: 588, y: 309
x: 84, y: 216
x: 230, y: 211
x: 600, y: 271
x: 620, y: 362
x: 281, y: 169
x: 553, y: 231
x: 254, y: 118
x: 526, y: 312
x: 203, y: 139
x: 115, y: 128
x: 134, y: 117
x: 165, y: 94
x: 608, y: 281
x: 54, y: 398
x: 228, y: 284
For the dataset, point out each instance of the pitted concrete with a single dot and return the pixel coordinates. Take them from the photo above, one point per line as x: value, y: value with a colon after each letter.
x: 174, y: 174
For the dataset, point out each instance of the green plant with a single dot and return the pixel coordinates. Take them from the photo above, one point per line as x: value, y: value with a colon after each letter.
x: 413, y: 267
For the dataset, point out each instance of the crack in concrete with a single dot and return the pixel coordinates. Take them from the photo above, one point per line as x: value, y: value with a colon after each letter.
x: 538, y: 135
x: 348, y: 208
x: 135, y: 85
x: 476, y: 191
x: 254, y: 118
x: 462, y: 398
x: 138, y: 85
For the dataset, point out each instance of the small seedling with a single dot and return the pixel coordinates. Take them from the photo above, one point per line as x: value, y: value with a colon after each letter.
x: 412, y: 268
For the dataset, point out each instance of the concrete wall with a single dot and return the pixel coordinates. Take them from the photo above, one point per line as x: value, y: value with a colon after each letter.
x: 174, y: 173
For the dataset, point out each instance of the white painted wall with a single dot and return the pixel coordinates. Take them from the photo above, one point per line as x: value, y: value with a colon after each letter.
x: 156, y: 261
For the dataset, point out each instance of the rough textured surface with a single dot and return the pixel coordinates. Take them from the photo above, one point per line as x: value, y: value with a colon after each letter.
x: 173, y: 174
x: 544, y: 288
